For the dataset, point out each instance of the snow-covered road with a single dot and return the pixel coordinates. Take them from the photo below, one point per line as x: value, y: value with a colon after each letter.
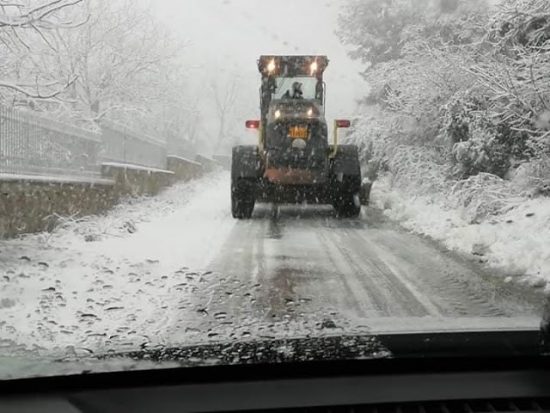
x: 178, y: 269
x: 117, y: 279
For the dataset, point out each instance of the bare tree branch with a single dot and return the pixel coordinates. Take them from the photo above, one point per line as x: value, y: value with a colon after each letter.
x: 36, y: 15
x: 36, y: 95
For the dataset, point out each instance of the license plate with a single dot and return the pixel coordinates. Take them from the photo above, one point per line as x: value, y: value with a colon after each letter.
x: 298, y: 132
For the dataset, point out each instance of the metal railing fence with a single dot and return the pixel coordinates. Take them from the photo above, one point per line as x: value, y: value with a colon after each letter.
x: 32, y: 144
x: 120, y: 144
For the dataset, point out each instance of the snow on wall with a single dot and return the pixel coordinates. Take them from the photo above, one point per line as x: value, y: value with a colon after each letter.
x: 37, y: 203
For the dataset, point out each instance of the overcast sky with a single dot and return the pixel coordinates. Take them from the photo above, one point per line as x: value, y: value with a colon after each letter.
x: 226, y: 37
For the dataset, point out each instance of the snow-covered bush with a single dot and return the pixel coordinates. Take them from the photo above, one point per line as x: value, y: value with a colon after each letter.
x: 533, y: 177
x: 470, y: 82
x: 416, y: 170
x: 459, y: 120
x: 479, y: 140
x: 482, y: 196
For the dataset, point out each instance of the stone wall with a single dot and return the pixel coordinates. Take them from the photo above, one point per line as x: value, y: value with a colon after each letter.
x: 33, y: 204
x: 131, y: 180
x: 184, y: 169
x: 28, y: 205
x: 208, y: 164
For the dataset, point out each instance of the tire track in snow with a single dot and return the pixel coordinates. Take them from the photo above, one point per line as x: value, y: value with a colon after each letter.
x: 351, y: 293
x: 454, y: 286
x: 363, y: 268
x: 400, y: 297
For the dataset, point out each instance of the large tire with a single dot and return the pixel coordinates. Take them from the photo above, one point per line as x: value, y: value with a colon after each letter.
x: 243, y: 198
x: 346, y: 182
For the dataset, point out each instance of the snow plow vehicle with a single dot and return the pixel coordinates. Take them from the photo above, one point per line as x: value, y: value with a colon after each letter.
x: 294, y: 162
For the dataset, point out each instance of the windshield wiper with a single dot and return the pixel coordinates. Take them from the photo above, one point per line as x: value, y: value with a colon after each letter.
x: 545, y: 328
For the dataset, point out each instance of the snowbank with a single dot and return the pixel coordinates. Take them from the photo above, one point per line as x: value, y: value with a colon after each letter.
x: 507, y: 232
x: 502, y: 223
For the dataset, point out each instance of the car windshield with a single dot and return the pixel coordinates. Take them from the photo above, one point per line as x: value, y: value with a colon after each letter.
x: 164, y: 203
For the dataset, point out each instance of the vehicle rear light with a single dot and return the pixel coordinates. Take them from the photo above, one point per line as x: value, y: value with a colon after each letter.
x: 343, y: 123
x: 253, y: 124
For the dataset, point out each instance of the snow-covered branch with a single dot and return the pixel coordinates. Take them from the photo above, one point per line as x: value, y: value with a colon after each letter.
x: 35, y: 16
x: 472, y: 83
x: 36, y: 94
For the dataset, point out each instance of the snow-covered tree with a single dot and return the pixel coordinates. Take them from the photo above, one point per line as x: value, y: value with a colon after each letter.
x: 125, y: 60
x: 224, y: 98
x: 467, y: 80
x: 89, y: 60
x: 27, y: 35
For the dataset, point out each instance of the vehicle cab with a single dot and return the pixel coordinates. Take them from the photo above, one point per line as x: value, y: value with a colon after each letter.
x: 294, y: 138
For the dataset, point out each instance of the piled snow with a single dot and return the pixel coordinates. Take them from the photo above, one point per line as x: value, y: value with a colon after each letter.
x: 112, y: 279
x: 503, y: 223
x: 413, y: 167
x: 134, y: 167
x: 92, y: 179
x: 482, y: 217
x: 483, y: 196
